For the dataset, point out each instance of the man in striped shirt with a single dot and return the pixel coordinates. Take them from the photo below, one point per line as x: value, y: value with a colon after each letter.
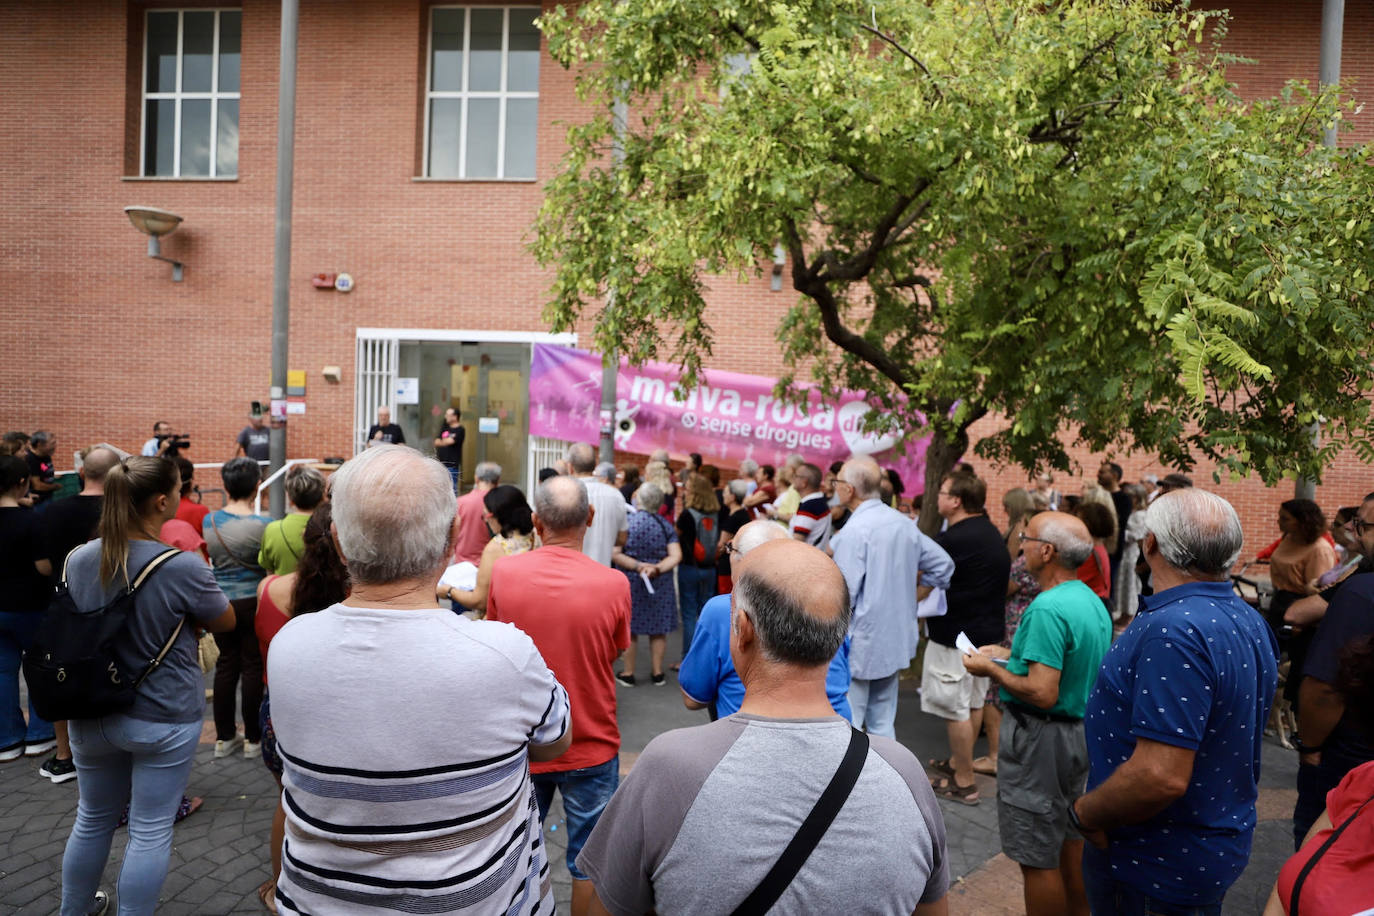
x: 403, y: 793
x: 811, y: 522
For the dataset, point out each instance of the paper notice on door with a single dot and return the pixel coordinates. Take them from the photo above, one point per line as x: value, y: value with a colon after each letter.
x: 964, y: 644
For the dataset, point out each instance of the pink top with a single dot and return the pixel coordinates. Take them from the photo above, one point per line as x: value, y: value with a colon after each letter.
x: 472, y: 530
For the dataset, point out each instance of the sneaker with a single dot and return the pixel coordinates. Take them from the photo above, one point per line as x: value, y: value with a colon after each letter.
x: 34, y: 748
x: 659, y: 680
x: 13, y: 752
x: 100, y: 904
x: 251, y: 749
x: 58, y: 771
x: 225, y: 748
x: 628, y: 680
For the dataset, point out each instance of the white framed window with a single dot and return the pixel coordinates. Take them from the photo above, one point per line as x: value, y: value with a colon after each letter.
x: 482, y: 92
x: 191, y: 61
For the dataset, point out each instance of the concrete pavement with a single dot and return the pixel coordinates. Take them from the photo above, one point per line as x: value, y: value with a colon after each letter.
x: 219, y: 854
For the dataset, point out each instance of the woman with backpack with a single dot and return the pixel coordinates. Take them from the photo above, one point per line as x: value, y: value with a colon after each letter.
x: 698, y: 529
x: 142, y: 754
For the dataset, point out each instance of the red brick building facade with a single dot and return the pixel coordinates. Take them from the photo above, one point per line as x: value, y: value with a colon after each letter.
x: 104, y: 343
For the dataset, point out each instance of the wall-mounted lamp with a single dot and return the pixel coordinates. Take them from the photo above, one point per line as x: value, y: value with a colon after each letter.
x: 155, y: 223
x: 779, y: 259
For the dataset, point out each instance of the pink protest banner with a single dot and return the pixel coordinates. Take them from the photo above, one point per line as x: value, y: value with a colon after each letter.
x: 728, y: 418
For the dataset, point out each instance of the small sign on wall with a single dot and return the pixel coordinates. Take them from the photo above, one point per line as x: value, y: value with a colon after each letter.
x: 489, y: 425
x: 407, y: 391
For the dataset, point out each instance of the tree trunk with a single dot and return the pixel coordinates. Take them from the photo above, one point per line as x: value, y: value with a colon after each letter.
x: 944, y: 452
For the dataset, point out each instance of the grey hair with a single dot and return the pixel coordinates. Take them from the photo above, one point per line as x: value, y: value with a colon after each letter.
x: 605, y: 471
x: 581, y: 458
x: 794, y: 460
x: 561, y: 503
x: 40, y: 437
x: 809, y: 473
x: 393, y: 509
x: 759, y: 531
x: 304, y: 486
x: 1198, y: 532
x: 749, y: 466
x: 740, y: 488
x: 488, y: 472
x: 864, y: 475
x: 787, y: 633
x: 648, y: 497
x: 660, y: 454
x: 1071, y: 548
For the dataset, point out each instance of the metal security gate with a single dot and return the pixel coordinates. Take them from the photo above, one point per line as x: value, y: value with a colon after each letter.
x: 376, y: 372
x: 543, y: 453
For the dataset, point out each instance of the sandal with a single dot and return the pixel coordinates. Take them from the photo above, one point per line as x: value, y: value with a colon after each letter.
x: 943, y: 767
x: 985, y: 766
x: 267, y: 896
x: 947, y: 788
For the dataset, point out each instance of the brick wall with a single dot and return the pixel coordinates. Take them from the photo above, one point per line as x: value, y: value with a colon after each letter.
x: 107, y: 343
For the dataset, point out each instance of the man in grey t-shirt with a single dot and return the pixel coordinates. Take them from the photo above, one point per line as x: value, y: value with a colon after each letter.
x: 707, y: 811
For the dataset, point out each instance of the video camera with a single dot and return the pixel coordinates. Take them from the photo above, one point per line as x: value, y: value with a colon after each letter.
x: 178, y: 443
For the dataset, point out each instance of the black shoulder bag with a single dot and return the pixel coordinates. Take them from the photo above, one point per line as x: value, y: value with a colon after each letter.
x: 809, y: 834
x: 72, y: 668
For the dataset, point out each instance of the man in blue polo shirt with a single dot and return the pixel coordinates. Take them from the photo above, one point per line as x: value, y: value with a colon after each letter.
x: 1175, y: 723
x: 708, y: 678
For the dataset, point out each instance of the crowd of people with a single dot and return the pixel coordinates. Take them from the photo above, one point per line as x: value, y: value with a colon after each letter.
x: 1097, y: 641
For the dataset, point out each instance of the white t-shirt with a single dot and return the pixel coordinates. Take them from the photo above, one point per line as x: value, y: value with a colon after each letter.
x: 609, y: 519
x: 404, y: 737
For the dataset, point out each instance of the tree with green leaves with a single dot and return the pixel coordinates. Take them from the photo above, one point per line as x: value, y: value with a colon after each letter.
x: 1059, y: 213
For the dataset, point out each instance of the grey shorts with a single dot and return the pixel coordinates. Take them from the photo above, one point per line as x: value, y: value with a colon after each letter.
x: 1041, y: 768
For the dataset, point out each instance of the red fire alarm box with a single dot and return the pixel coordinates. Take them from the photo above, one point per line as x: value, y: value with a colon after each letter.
x: 322, y: 281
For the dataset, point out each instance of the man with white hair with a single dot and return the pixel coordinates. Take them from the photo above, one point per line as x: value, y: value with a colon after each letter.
x: 384, y: 432
x: 889, y: 566
x: 610, y: 523
x: 578, y: 614
x: 402, y: 794
x: 1175, y: 724
x: 473, y: 532
x: 1051, y: 666
x: 708, y: 678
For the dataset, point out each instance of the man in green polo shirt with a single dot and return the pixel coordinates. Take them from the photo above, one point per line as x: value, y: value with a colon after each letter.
x: 1043, y: 762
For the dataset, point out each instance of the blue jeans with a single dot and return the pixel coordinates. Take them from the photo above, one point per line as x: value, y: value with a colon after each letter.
x: 698, y: 586
x: 585, y: 794
x: 1110, y: 897
x: 119, y: 760
x: 874, y: 704
x: 454, y: 473
x: 16, y: 634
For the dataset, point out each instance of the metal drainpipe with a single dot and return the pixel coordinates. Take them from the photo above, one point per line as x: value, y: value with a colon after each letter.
x: 281, y: 253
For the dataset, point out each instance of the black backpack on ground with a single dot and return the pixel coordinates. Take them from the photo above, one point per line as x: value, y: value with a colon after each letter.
x: 72, y: 669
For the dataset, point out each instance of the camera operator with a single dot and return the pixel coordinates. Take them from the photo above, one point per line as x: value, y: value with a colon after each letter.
x: 165, y: 443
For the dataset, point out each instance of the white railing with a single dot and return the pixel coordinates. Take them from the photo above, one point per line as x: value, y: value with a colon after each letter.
x: 257, y: 499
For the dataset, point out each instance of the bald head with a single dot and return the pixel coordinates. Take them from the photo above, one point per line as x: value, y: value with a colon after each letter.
x: 1067, y: 533
x: 561, y: 505
x: 581, y: 458
x: 864, y: 475
x: 759, y: 531
x: 97, y: 463
x: 797, y: 600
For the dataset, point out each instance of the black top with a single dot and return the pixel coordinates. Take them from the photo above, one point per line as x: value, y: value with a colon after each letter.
x: 42, y: 468
x: 391, y: 433
x: 687, y: 537
x: 452, y: 453
x: 1349, y: 615
x: 977, y: 591
x: 24, y: 589
x: 1122, y: 501
x: 67, y: 524
x: 730, y: 523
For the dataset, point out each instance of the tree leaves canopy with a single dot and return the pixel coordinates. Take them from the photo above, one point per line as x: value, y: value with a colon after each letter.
x: 1056, y: 211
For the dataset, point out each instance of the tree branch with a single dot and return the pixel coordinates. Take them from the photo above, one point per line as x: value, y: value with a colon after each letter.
x: 909, y: 56
x: 858, y: 266
x: 846, y: 339
x: 735, y: 27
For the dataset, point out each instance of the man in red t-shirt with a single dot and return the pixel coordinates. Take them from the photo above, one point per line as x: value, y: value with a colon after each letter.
x: 577, y: 611
x: 473, y: 532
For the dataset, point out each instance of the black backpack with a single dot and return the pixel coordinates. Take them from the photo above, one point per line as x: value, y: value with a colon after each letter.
x: 707, y: 537
x: 72, y: 669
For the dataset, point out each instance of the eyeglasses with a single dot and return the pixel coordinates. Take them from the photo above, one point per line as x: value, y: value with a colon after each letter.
x: 944, y: 493
x: 1359, y: 527
x: 732, y: 551
x: 1026, y: 537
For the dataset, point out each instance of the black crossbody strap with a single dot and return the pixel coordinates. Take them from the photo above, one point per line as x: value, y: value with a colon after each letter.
x: 809, y: 834
x: 1316, y: 856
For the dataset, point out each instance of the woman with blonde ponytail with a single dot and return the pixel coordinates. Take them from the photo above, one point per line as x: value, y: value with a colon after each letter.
x: 143, y: 754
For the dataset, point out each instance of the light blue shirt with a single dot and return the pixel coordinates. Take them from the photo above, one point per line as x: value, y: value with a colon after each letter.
x: 880, y: 551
